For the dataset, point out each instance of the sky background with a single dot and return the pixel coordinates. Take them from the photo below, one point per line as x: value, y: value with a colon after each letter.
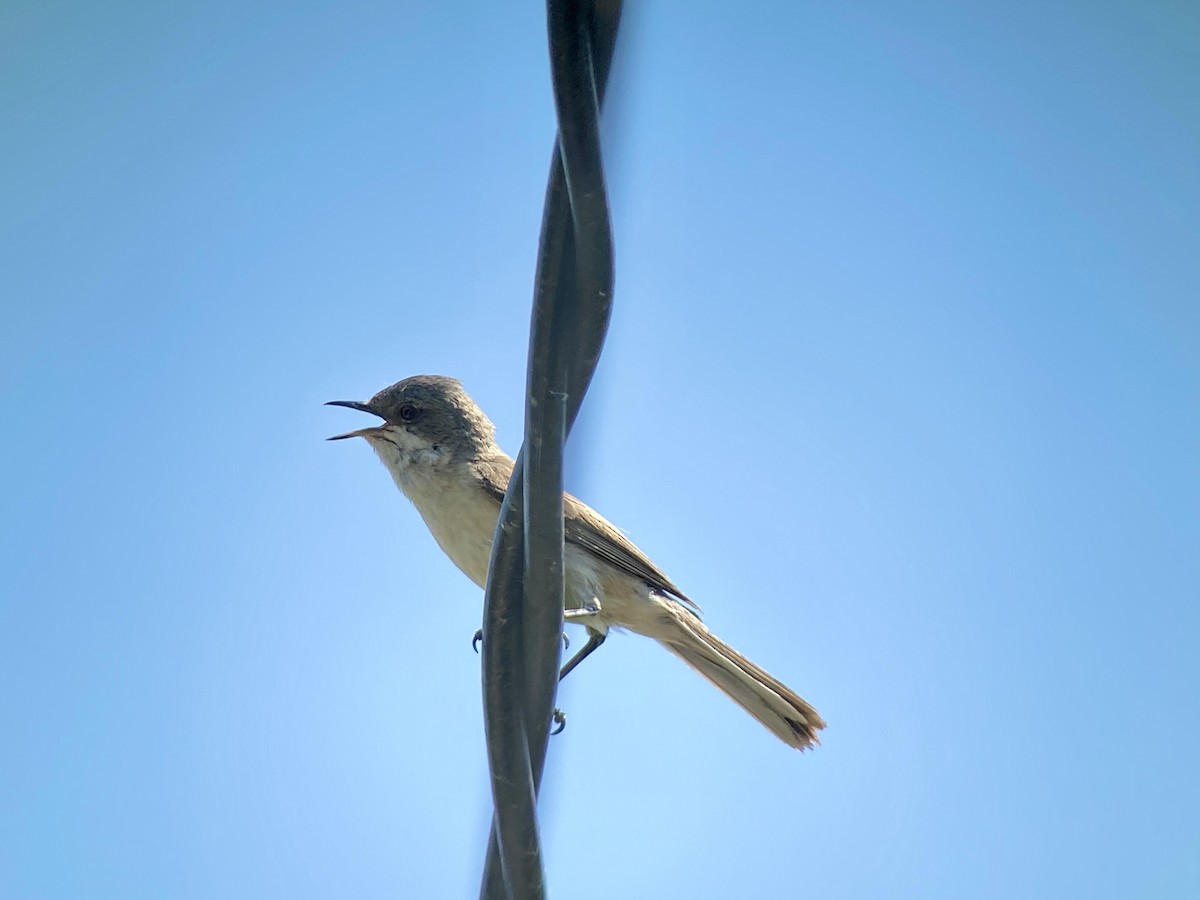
x: 903, y: 386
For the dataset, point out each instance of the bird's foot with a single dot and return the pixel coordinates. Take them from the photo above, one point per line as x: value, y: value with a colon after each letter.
x: 478, y: 638
x: 583, y: 612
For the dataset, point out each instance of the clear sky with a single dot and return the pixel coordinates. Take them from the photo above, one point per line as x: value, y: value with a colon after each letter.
x: 903, y: 387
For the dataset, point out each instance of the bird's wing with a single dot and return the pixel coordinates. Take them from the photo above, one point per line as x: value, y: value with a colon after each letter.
x: 587, y: 529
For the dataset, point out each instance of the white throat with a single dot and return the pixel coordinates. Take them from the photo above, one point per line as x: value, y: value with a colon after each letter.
x: 410, y: 461
x: 456, y: 508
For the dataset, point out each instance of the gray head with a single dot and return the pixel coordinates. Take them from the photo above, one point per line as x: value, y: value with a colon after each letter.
x: 426, y: 418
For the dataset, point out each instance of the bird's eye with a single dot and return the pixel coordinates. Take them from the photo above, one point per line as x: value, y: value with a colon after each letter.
x: 408, y: 412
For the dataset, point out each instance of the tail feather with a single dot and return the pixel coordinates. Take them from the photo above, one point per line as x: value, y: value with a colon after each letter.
x: 783, y: 712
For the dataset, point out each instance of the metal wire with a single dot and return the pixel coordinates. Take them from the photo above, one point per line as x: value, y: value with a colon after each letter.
x: 572, y: 303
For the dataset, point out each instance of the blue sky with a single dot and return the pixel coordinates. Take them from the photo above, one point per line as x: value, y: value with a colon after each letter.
x: 902, y: 386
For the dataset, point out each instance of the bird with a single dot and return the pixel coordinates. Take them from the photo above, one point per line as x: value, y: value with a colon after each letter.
x: 440, y: 449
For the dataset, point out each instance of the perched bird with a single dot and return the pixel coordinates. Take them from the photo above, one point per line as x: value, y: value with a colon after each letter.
x: 441, y: 451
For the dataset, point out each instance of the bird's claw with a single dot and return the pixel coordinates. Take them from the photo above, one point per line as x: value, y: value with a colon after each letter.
x: 559, y: 718
x: 475, y: 641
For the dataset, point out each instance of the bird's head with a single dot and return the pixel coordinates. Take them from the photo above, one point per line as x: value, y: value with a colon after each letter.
x: 427, y: 419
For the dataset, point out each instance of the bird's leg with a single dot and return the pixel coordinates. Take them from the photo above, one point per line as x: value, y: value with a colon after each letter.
x: 595, y: 639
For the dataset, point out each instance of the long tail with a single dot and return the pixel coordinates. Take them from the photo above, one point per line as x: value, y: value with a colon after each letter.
x: 787, y: 715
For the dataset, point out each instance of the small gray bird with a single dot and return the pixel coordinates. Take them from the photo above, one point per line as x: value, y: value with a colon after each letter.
x: 441, y: 451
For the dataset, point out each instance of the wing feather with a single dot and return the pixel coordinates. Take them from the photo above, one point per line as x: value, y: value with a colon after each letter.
x: 588, y: 530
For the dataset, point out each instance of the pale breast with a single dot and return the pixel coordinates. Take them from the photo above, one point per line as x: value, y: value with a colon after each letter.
x: 462, y: 519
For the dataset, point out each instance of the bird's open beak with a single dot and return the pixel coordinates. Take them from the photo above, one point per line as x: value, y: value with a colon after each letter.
x: 362, y: 432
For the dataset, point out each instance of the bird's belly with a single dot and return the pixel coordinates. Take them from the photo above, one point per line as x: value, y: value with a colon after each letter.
x: 468, y: 543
